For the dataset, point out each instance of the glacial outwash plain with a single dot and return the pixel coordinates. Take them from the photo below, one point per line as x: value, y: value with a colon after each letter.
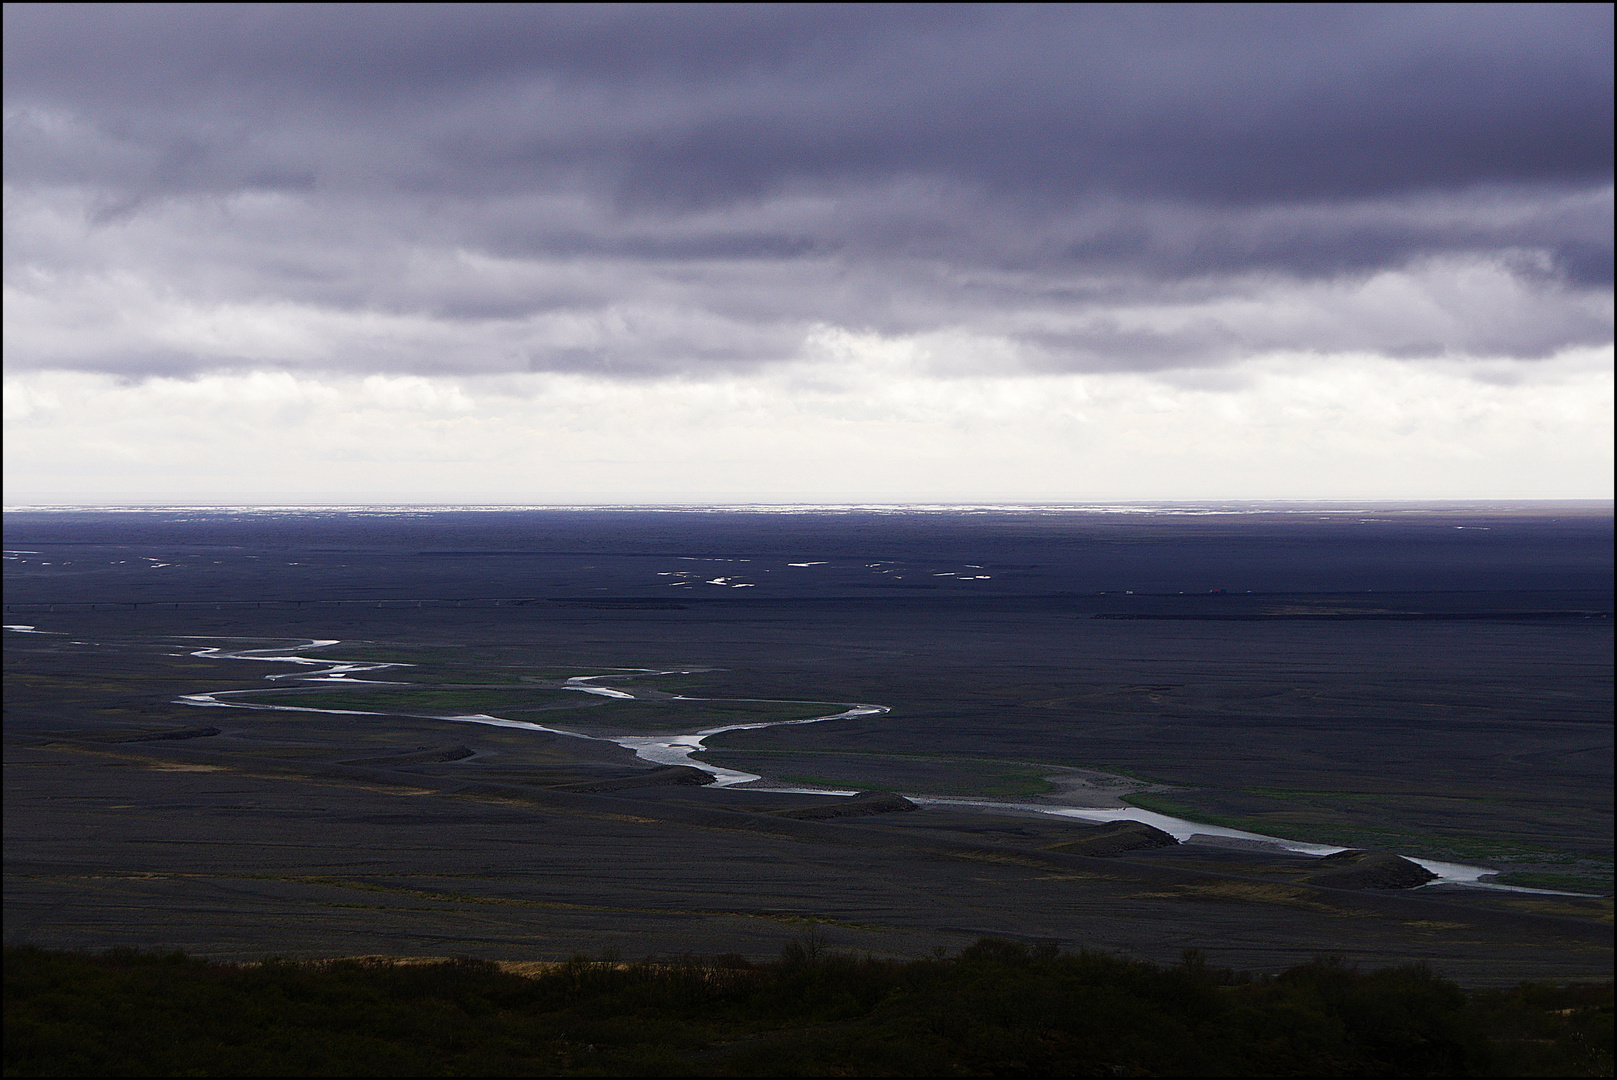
x: 1379, y: 732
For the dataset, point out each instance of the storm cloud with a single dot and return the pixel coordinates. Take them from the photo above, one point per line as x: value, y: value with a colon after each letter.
x: 642, y: 192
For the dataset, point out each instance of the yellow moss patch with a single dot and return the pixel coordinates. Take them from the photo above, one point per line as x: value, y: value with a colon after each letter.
x: 1566, y: 910
x: 1253, y: 892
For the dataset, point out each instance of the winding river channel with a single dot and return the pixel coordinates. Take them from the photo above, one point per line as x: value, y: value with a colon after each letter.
x: 678, y: 748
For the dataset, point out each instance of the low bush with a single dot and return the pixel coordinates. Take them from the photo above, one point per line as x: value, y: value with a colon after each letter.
x: 998, y: 1007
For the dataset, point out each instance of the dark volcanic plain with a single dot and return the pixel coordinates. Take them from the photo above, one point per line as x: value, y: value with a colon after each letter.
x: 1430, y: 682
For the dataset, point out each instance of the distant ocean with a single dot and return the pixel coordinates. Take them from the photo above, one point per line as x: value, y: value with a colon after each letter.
x: 1538, y: 556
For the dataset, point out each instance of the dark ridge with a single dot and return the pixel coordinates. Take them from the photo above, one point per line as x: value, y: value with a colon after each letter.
x: 861, y: 805
x: 666, y: 776
x: 1369, y: 870
x: 425, y: 755
x: 157, y: 736
x: 1117, y: 838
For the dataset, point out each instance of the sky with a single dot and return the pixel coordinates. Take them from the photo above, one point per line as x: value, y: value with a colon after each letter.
x: 668, y: 254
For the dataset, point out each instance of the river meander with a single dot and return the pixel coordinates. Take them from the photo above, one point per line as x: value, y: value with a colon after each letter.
x: 679, y: 748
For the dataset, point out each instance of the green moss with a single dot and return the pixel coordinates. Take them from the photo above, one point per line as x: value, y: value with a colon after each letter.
x: 428, y: 702
x: 891, y: 772
x: 1584, y: 883
x: 1297, y: 826
x: 697, y: 715
x: 603, y: 713
x: 828, y: 782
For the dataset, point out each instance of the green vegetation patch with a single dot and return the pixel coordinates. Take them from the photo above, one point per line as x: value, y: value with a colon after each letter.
x: 1586, y: 883
x: 440, y: 676
x: 1315, y: 828
x: 426, y: 702
x: 888, y: 772
x: 604, y: 714
x: 996, y: 1008
x: 428, y: 664
x: 665, y: 715
x: 390, y: 654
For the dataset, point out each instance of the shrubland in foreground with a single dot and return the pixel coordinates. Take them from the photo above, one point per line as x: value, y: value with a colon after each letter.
x: 997, y: 1008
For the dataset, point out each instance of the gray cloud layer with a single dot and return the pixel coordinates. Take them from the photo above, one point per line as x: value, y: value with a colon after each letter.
x: 642, y: 190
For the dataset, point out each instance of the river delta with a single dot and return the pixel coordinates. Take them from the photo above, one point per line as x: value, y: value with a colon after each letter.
x: 657, y: 698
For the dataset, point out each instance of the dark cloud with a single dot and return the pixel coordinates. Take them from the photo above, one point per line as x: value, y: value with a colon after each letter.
x: 651, y: 189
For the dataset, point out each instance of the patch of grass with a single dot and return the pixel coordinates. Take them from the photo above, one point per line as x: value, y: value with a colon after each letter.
x: 440, y: 676
x: 891, y: 772
x: 563, y: 674
x: 1015, y: 785
x: 385, y: 654
x: 430, y: 664
x: 1601, y: 910
x: 676, y: 684
x: 1338, y: 796
x: 1407, y: 842
x: 830, y: 782
x: 1115, y: 771
x: 696, y: 715
x: 430, y: 702
x: 1587, y: 883
x: 1253, y: 892
x: 1174, y: 808
x: 606, y: 713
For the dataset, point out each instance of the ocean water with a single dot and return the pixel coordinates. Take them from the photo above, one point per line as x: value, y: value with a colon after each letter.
x: 1207, y: 561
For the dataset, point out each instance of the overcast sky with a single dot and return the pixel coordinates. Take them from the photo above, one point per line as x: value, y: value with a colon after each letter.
x: 392, y: 253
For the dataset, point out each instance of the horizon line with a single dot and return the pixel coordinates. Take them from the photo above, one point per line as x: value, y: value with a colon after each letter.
x: 1093, y: 505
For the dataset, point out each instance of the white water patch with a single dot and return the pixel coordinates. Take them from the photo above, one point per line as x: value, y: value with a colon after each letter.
x: 500, y: 721
x: 1177, y: 828
x: 334, y: 669
x: 657, y: 749
x: 1456, y: 874
x: 213, y: 700
x: 577, y: 682
x: 676, y: 749
x: 1447, y: 873
x: 602, y: 691
x: 804, y: 791
x: 218, y: 652
x: 341, y: 672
